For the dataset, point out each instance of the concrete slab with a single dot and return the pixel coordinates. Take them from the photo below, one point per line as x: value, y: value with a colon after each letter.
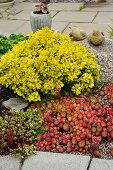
x: 53, y: 13
x: 24, y: 29
x: 10, y: 25
x: 56, y: 161
x: 23, y: 15
x: 2, y: 9
x: 104, y: 17
x: 1, y: 16
x: 25, y: 6
x: 101, y: 164
x: 15, y: 104
x: 88, y: 27
x: 14, y: 11
x: 9, y: 163
x: 67, y: 16
x: 65, y: 6
x: 59, y: 26
x: 106, y: 7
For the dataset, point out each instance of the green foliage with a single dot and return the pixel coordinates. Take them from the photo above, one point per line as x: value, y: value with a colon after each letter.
x: 47, y: 62
x: 110, y: 31
x: 100, y: 84
x: 26, y: 151
x: 6, y: 43
x: 22, y: 127
x: 81, y: 7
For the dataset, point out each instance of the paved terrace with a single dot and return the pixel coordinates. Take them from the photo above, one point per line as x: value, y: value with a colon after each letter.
x: 16, y: 19
x: 55, y: 161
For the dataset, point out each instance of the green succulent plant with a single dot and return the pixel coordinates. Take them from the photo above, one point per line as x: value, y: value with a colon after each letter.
x: 81, y: 7
x: 18, y: 128
x: 110, y: 31
x: 26, y: 151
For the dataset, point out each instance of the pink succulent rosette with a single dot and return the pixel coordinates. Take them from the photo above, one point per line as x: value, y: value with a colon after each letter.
x: 95, y: 142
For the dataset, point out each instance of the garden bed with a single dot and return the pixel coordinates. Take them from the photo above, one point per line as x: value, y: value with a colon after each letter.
x: 67, y: 119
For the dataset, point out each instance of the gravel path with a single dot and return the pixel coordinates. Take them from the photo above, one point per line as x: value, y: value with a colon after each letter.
x: 104, y: 54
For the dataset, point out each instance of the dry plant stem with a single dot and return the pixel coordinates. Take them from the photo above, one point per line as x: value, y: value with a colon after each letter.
x: 41, y: 8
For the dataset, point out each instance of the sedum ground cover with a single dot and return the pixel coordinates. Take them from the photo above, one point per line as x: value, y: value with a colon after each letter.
x: 69, y: 111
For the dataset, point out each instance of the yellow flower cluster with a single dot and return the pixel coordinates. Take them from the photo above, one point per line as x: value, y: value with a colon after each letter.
x: 45, y: 62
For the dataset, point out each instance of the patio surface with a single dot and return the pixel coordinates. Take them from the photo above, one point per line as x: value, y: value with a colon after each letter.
x: 55, y: 161
x: 16, y: 20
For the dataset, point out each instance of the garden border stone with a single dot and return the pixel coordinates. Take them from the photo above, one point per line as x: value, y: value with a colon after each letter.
x: 56, y: 161
x: 101, y: 164
x: 15, y: 104
x: 9, y: 163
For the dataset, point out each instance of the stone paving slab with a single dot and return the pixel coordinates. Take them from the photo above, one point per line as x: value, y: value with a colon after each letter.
x: 9, y: 163
x: 2, y: 9
x: 88, y: 27
x: 26, y: 6
x: 15, y: 104
x: 10, y: 25
x: 23, y: 15
x: 24, y: 29
x: 106, y: 7
x: 56, y: 161
x: 65, y: 6
x: 67, y: 16
x: 101, y: 164
x: 53, y: 13
x: 14, y: 11
x: 59, y: 26
x: 104, y: 17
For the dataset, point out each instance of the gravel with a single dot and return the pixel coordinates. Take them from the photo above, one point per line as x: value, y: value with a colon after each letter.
x: 105, y: 148
x: 104, y: 54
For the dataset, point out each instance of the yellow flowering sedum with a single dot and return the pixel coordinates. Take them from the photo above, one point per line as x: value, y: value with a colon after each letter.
x: 45, y: 62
